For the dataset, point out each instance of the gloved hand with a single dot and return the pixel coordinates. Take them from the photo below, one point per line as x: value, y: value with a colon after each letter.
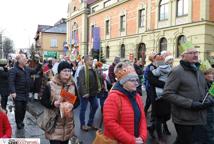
x: 197, y: 105
x: 209, y: 101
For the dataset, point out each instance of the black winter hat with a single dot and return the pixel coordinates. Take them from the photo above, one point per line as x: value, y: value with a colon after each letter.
x: 63, y: 65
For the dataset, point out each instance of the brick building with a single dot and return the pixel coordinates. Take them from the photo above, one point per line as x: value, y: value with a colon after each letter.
x: 130, y: 28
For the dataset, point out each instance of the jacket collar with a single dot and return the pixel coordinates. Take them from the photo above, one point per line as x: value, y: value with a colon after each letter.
x: 190, y: 67
x: 120, y: 88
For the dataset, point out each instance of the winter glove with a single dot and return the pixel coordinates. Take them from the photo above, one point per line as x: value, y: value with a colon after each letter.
x: 197, y: 105
x: 209, y: 102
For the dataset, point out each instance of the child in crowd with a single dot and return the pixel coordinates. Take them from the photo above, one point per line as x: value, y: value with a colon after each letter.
x: 164, y: 66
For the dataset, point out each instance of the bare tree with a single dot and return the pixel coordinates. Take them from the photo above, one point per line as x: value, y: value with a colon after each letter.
x: 7, y: 47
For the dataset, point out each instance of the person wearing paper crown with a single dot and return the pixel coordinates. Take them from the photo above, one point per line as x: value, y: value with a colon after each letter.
x: 124, y: 118
x: 206, y: 133
x: 52, y: 99
x: 185, y: 89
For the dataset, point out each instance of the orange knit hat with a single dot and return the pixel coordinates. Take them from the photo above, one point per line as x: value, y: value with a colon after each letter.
x: 126, y: 74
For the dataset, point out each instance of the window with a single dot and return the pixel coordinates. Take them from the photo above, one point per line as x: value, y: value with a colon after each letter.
x: 74, y: 8
x: 163, y: 10
x: 94, y: 9
x: 107, y: 3
x: 92, y: 31
x: 182, y: 7
x: 107, y: 27
x: 163, y: 44
x: 181, y: 39
x: 141, y: 17
x: 141, y: 50
x: 107, y: 52
x: 122, y: 23
x: 122, y: 51
x: 53, y: 43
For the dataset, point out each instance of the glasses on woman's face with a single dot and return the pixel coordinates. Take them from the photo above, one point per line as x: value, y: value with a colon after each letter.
x: 136, y: 81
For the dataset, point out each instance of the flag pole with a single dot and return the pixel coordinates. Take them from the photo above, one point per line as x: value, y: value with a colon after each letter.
x: 205, y: 97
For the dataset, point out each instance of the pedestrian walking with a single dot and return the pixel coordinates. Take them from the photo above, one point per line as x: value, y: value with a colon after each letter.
x: 111, y: 75
x: 4, y: 86
x: 204, y: 133
x: 5, y: 127
x: 161, y: 110
x: 19, y: 87
x: 52, y: 99
x: 124, y: 118
x: 88, y: 85
x: 185, y: 89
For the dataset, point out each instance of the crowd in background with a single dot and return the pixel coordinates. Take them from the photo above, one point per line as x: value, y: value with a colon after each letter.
x: 179, y: 92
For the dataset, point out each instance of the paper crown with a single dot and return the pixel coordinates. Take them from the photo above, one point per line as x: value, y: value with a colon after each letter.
x: 185, y: 46
x: 3, y: 61
x: 124, y: 72
x: 205, y: 65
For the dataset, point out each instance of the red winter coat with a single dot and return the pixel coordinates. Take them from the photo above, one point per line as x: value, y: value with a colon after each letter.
x: 5, y: 128
x: 117, y: 106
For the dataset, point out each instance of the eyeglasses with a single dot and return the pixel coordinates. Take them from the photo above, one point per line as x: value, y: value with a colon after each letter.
x: 134, y: 80
x: 193, y: 53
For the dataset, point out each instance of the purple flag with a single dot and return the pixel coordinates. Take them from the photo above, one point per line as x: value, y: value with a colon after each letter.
x: 71, y: 38
x: 96, y: 38
x: 76, y: 38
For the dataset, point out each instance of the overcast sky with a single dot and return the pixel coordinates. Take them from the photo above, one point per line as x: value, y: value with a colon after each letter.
x: 19, y: 18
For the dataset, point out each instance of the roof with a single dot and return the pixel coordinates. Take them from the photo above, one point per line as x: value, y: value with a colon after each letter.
x: 60, y: 28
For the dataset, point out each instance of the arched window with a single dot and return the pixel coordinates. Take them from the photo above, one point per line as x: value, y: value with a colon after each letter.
x: 141, y: 50
x: 122, y: 51
x: 163, y: 44
x: 107, y: 52
x: 181, y: 39
x: 182, y: 7
x: 163, y: 10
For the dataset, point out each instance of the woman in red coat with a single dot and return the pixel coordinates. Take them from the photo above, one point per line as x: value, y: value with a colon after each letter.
x: 124, y: 118
x: 5, y: 128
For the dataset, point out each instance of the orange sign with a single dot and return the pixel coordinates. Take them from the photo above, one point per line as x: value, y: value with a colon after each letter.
x: 69, y: 97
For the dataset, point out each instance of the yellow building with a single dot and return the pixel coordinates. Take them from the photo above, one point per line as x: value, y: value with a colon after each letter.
x: 50, y: 40
x: 135, y: 27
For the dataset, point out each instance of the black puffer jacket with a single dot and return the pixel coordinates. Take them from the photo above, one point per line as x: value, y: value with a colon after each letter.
x: 19, y: 81
x: 4, y: 87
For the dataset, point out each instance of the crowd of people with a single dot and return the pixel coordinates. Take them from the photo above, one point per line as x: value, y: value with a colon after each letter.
x: 179, y: 92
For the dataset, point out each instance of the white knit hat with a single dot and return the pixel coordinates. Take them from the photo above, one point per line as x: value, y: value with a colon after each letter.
x: 168, y: 58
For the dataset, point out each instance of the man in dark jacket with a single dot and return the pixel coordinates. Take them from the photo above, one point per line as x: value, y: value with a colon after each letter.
x: 19, y: 86
x: 111, y: 75
x: 4, y: 88
x: 185, y: 89
x: 88, y: 86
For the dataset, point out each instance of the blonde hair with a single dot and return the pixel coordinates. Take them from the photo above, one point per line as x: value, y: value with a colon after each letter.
x: 209, y: 71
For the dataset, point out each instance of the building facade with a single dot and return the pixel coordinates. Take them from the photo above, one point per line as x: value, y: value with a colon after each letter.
x: 134, y: 28
x: 50, y: 40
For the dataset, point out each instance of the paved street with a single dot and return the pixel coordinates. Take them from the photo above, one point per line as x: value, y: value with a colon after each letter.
x: 33, y: 131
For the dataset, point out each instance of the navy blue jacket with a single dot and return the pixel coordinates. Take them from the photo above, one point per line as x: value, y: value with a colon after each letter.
x: 19, y: 81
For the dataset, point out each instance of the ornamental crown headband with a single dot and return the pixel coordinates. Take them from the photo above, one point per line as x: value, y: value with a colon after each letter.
x: 124, y: 72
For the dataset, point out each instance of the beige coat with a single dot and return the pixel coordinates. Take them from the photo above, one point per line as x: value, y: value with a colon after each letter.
x: 64, y: 129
